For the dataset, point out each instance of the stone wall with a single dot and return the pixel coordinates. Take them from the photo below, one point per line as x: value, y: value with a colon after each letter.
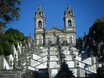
x: 11, y: 74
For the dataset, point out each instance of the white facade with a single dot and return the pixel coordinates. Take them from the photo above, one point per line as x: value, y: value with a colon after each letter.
x: 67, y: 35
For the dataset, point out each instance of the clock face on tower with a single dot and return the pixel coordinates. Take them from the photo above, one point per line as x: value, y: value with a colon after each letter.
x: 39, y: 24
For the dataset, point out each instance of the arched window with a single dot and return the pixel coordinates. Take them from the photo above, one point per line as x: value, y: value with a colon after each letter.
x: 69, y: 12
x: 39, y: 13
x: 40, y: 24
x: 69, y: 23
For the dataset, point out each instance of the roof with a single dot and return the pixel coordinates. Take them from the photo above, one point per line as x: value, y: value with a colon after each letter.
x: 55, y: 30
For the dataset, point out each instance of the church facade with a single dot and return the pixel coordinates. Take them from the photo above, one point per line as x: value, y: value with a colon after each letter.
x: 43, y: 36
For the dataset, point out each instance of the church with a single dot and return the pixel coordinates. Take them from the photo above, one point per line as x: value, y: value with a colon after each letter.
x: 48, y: 51
x: 67, y: 35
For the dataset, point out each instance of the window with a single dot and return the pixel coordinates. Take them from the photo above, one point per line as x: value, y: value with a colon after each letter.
x: 40, y: 24
x: 69, y: 23
x: 69, y: 12
x: 39, y: 13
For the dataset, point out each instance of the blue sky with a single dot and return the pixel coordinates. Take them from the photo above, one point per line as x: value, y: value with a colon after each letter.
x: 85, y: 11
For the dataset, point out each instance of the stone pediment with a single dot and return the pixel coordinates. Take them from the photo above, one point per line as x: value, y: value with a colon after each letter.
x: 54, y: 30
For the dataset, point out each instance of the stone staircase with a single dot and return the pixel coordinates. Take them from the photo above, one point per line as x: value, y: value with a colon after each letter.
x: 35, y: 58
x: 40, y: 58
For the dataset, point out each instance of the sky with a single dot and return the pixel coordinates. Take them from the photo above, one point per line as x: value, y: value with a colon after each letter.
x: 85, y: 12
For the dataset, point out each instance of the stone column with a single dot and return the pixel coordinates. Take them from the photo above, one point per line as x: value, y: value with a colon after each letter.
x: 73, y: 58
x: 78, y: 70
x: 27, y: 63
x: 48, y: 60
x: 92, y: 58
x: 19, y: 61
x: 15, y: 62
x: 97, y: 63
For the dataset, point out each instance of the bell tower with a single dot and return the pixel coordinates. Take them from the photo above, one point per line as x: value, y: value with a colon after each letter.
x: 69, y: 20
x: 69, y: 25
x: 39, y: 26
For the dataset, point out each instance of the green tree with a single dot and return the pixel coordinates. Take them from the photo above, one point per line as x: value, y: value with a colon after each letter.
x: 10, y: 38
x: 1, y: 49
x: 96, y: 32
x: 9, y: 11
x: 15, y: 33
x: 64, y: 72
x: 14, y: 36
x: 7, y: 48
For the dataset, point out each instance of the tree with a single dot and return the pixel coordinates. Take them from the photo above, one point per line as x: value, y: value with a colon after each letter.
x: 64, y: 72
x: 9, y: 11
x: 96, y: 32
x: 7, y: 48
x: 14, y: 36
x: 1, y: 49
x: 79, y: 43
x: 93, y: 38
x: 11, y: 37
